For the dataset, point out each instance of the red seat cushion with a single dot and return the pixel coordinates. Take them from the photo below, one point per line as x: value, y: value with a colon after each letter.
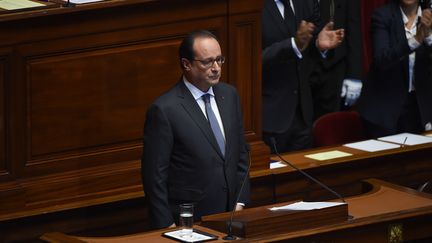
x: 338, y: 128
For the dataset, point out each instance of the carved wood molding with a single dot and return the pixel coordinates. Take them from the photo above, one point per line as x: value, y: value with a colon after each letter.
x: 78, y: 83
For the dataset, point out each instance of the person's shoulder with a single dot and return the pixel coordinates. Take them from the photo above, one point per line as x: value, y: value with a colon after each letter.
x: 225, y: 87
x: 386, y: 9
x: 386, y: 13
x: 166, y: 98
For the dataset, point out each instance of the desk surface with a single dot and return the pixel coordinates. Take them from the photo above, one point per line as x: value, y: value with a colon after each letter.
x: 409, y: 166
x: 384, y: 203
x: 299, y: 159
x: 153, y: 236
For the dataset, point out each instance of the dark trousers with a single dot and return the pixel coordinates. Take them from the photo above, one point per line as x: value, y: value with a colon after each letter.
x: 408, y: 121
x: 326, y: 86
x: 214, y: 201
x: 298, y: 136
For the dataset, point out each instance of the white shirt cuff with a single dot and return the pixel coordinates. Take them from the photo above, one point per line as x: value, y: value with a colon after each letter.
x: 413, y: 43
x: 428, y: 40
x: 295, y: 48
x: 358, y: 81
x: 241, y: 204
x: 324, y: 54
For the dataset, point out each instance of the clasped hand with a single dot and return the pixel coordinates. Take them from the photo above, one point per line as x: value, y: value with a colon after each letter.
x: 327, y: 38
x: 304, y: 35
x: 425, y: 26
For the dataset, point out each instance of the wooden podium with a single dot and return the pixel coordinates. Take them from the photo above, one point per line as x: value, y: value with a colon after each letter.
x: 387, y: 212
x: 261, y: 221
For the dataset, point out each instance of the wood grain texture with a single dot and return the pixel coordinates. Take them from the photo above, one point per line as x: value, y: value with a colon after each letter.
x: 3, y: 161
x: 75, y: 84
x: 373, y: 213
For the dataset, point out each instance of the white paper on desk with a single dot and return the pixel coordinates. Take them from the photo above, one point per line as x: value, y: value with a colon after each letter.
x: 307, y: 206
x: 411, y: 139
x: 18, y: 4
x: 181, y: 235
x: 277, y: 164
x: 372, y: 145
x: 84, y: 1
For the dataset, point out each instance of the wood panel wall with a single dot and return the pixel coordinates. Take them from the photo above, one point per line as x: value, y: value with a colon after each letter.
x: 75, y: 84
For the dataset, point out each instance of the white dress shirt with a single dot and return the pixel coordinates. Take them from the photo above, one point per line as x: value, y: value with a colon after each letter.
x: 281, y: 8
x: 197, y: 94
x: 410, y: 32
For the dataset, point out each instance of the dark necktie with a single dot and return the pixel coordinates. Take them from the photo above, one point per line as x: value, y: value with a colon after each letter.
x: 289, y: 17
x: 214, y: 123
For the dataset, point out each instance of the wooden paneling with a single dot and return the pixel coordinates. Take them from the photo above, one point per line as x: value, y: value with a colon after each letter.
x: 75, y: 84
x: 245, y: 69
x: 88, y: 100
x: 3, y: 168
x: 6, y: 164
x: 94, y: 99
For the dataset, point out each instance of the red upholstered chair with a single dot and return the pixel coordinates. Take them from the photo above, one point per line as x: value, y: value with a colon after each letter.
x: 338, y: 128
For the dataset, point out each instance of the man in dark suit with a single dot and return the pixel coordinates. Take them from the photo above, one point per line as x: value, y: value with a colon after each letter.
x: 397, y: 93
x: 194, y: 147
x: 339, y: 74
x: 289, y: 29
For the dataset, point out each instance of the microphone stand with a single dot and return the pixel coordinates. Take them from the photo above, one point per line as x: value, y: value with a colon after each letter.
x: 273, y: 141
x: 229, y: 235
x: 68, y: 4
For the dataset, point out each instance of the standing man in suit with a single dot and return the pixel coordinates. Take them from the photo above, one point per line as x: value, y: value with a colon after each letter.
x: 194, y: 147
x: 289, y: 37
x: 339, y: 74
x: 397, y: 93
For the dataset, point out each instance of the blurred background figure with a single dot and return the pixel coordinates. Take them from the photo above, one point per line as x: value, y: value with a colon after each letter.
x: 291, y: 34
x: 336, y: 80
x: 396, y: 96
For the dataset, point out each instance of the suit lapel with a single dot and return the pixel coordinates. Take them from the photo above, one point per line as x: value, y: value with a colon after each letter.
x: 190, y: 105
x: 277, y: 18
x: 399, y: 28
x: 298, y: 15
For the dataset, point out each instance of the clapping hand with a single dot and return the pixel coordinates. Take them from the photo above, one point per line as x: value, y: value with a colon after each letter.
x: 425, y: 26
x: 329, y: 38
x: 304, y: 35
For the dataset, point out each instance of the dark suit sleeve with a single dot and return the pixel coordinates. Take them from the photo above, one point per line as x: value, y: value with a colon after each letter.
x: 384, y: 27
x: 354, y: 40
x: 158, y: 142
x: 278, y: 51
x: 276, y: 46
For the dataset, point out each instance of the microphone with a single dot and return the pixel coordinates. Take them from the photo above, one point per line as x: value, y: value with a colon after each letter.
x: 229, y: 235
x: 273, y: 142
x: 68, y: 4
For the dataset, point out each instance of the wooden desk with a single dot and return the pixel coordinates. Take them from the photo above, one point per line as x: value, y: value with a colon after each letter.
x: 408, y: 166
x: 388, y: 213
x: 44, y: 5
x: 153, y: 237
x: 384, y: 213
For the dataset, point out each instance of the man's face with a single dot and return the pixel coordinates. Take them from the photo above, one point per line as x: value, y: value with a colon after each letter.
x: 204, y: 71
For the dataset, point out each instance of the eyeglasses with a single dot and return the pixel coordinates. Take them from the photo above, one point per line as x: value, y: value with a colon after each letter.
x: 208, y: 63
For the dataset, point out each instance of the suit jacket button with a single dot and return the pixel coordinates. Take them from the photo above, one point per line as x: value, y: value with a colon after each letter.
x: 295, y: 92
x: 224, y: 189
